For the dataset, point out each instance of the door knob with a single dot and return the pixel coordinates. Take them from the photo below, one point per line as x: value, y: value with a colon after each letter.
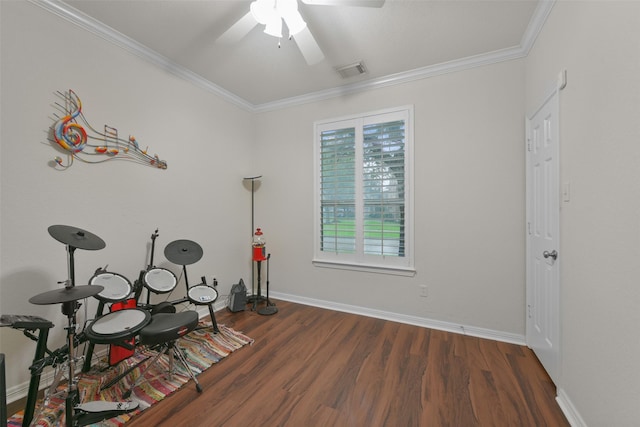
x: 553, y: 254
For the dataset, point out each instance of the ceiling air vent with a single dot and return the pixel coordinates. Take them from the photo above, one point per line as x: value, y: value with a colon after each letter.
x: 352, y: 70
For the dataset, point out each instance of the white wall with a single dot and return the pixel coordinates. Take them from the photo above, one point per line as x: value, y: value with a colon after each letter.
x: 200, y: 197
x: 598, y: 43
x: 469, y: 200
x: 469, y: 188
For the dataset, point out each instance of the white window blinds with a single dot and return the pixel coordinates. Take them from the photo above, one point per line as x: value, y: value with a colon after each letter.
x: 338, y: 191
x: 362, y: 204
x: 383, y: 188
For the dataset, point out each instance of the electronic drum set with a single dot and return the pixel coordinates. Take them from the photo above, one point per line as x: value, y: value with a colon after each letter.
x: 156, y: 326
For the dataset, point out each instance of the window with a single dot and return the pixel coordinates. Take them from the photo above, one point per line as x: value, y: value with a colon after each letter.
x: 363, y: 210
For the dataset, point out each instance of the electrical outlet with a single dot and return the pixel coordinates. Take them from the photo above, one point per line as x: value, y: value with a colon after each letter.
x: 424, y: 291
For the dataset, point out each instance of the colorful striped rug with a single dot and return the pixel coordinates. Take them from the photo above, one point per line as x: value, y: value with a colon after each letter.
x: 201, y: 347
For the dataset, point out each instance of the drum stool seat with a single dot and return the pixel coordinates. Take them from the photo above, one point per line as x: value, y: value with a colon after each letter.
x: 162, y: 334
x: 166, y: 327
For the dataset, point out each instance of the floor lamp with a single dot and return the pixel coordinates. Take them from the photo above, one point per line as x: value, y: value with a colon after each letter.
x: 252, y: 179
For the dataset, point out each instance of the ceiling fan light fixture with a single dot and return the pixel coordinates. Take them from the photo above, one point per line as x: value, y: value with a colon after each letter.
x: 274, y: 27
x: 285, y: 7
x: 271, y: 13
x: 295, y: 23
x: 263, y: 11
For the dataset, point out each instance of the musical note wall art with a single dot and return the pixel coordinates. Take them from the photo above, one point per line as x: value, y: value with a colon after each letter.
x: 89, y: 145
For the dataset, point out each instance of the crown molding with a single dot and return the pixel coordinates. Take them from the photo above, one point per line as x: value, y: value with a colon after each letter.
x: 399, y: 78
x: 543, y: 9
x: 107, y: 33
x: 538, y: 20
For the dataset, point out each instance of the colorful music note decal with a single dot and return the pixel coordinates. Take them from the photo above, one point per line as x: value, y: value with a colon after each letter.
x: 70, y: 135
x: 110, y: 134
x: 67, y: 133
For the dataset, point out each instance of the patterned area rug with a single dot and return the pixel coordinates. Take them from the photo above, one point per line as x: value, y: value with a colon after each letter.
x: 201, y: 347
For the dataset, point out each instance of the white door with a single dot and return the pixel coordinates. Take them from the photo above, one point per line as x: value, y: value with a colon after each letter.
x: 543, y: 227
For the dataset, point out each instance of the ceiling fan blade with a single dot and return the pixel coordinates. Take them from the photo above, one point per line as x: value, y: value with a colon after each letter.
x: 308, y: 46
x: 357, y: 3
x: 238, y: 30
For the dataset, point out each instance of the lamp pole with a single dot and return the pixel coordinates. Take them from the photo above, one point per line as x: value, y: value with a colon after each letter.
x: 253, y: 180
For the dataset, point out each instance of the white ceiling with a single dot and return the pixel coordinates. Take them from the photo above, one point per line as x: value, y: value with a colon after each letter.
x: 400, y: 38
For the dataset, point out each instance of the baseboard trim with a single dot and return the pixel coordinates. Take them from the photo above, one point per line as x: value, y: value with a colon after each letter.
x: 569, y: 410
x: 403, y: 318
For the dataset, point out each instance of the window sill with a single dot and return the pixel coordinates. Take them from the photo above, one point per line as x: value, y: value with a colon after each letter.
x: 368, y: 268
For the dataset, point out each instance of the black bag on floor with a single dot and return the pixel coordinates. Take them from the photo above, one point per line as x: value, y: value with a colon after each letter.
x: 238, y: 297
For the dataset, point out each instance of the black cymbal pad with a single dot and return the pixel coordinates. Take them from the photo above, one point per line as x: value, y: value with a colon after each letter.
x: 58, y: 296
x: 183, y: 252
x: 76, y: 237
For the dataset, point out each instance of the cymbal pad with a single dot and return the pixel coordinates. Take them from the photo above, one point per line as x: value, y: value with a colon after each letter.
x: 183, y: 252
x: 58, y: 296
x: 76, y: 237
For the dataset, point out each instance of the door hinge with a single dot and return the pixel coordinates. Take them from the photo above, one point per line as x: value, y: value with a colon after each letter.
x: 529, y: 228
x: 529, y: 310
x: 528, y: 144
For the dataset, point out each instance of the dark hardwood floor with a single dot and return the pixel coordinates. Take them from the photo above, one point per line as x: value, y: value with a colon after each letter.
x: 314, y: 367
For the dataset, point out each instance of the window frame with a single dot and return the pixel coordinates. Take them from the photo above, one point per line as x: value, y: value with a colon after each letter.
x: 359, y: 261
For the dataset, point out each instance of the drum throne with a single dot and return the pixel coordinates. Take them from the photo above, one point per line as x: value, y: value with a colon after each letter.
x: 162, y: 334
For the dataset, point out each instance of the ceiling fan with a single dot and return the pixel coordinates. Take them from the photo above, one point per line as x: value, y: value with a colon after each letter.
x: 272, y: 14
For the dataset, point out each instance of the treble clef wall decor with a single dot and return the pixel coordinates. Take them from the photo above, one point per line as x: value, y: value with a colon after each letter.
x: 67, y: 133
x: 94, y: 146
